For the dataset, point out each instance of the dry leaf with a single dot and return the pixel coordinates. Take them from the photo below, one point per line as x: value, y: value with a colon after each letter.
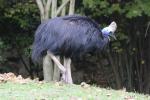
x: 85, y: 85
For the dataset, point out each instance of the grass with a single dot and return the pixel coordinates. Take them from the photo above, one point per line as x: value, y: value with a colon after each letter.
x: 53, y: 91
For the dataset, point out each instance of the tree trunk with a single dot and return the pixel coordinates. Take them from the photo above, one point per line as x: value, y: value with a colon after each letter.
x: 44, y: 8
x: 64, y: 9
x: 72, y: 7
x: 54, y: 8
x: 48, y: 69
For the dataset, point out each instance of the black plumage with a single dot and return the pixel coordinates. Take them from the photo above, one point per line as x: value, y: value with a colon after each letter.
x: 68, y: 36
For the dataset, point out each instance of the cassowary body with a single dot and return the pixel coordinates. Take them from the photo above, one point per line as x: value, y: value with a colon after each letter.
x: 70, y: 36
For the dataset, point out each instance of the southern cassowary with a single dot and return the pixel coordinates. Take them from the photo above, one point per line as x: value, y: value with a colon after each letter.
x: 70, y: 36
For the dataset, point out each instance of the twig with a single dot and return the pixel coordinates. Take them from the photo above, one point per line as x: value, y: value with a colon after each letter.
x: 61, y: 7
x: 148, y: 25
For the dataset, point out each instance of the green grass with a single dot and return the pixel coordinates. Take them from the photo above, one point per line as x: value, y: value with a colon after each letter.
x: 51, y: 91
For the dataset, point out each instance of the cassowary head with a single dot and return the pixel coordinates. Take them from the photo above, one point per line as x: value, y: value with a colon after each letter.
x: 110, y: 30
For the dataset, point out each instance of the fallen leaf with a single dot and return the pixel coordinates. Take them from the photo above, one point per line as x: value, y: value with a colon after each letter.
x: 129, y: 98
x: 108, y: 94
x: 85, y: 85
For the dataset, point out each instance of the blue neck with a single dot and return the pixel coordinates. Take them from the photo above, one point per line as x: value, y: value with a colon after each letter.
x: 106, y: 36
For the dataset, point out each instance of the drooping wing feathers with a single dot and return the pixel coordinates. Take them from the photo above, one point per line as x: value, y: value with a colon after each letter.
x: 67, y: 36
x: 83, y: 20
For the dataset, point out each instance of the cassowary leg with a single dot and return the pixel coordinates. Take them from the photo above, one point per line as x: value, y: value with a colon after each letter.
x: 67, y: 76
x: 64, y: 76
x: 56, y: 76
x: 57, y: 62
x: 68, y: 68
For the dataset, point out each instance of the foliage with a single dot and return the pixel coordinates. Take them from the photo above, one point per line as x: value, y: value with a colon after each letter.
x: 106, y: 9
x: 18, y: 22
x: 24, y: 14
x: 120, y: 11
x: 130, y: 9
x: 137, y: 8
x: 20, y: 19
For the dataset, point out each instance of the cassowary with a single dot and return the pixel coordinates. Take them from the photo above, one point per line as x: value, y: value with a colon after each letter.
x: 70, y: 36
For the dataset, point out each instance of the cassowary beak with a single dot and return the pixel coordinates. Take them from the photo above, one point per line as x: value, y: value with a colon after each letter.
x: 112, y: 35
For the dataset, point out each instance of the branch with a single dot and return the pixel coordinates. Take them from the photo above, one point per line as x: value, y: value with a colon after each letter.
x: 23, y: 62
x: 72, y: 6
x: 47, y: 8
x: 41, y: 8
x: 44, y: 2
x: 148, y: 25
x: 118, y: 81
x: 63, y: 12
x: 61, y: 7
x: 40, y: 5
x: 54, y: 8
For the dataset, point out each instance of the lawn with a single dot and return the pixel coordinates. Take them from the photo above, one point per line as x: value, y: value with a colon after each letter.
x: 59, y: 91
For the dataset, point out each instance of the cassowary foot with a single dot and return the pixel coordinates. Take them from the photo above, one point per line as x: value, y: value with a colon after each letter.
x: 66, y: 79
